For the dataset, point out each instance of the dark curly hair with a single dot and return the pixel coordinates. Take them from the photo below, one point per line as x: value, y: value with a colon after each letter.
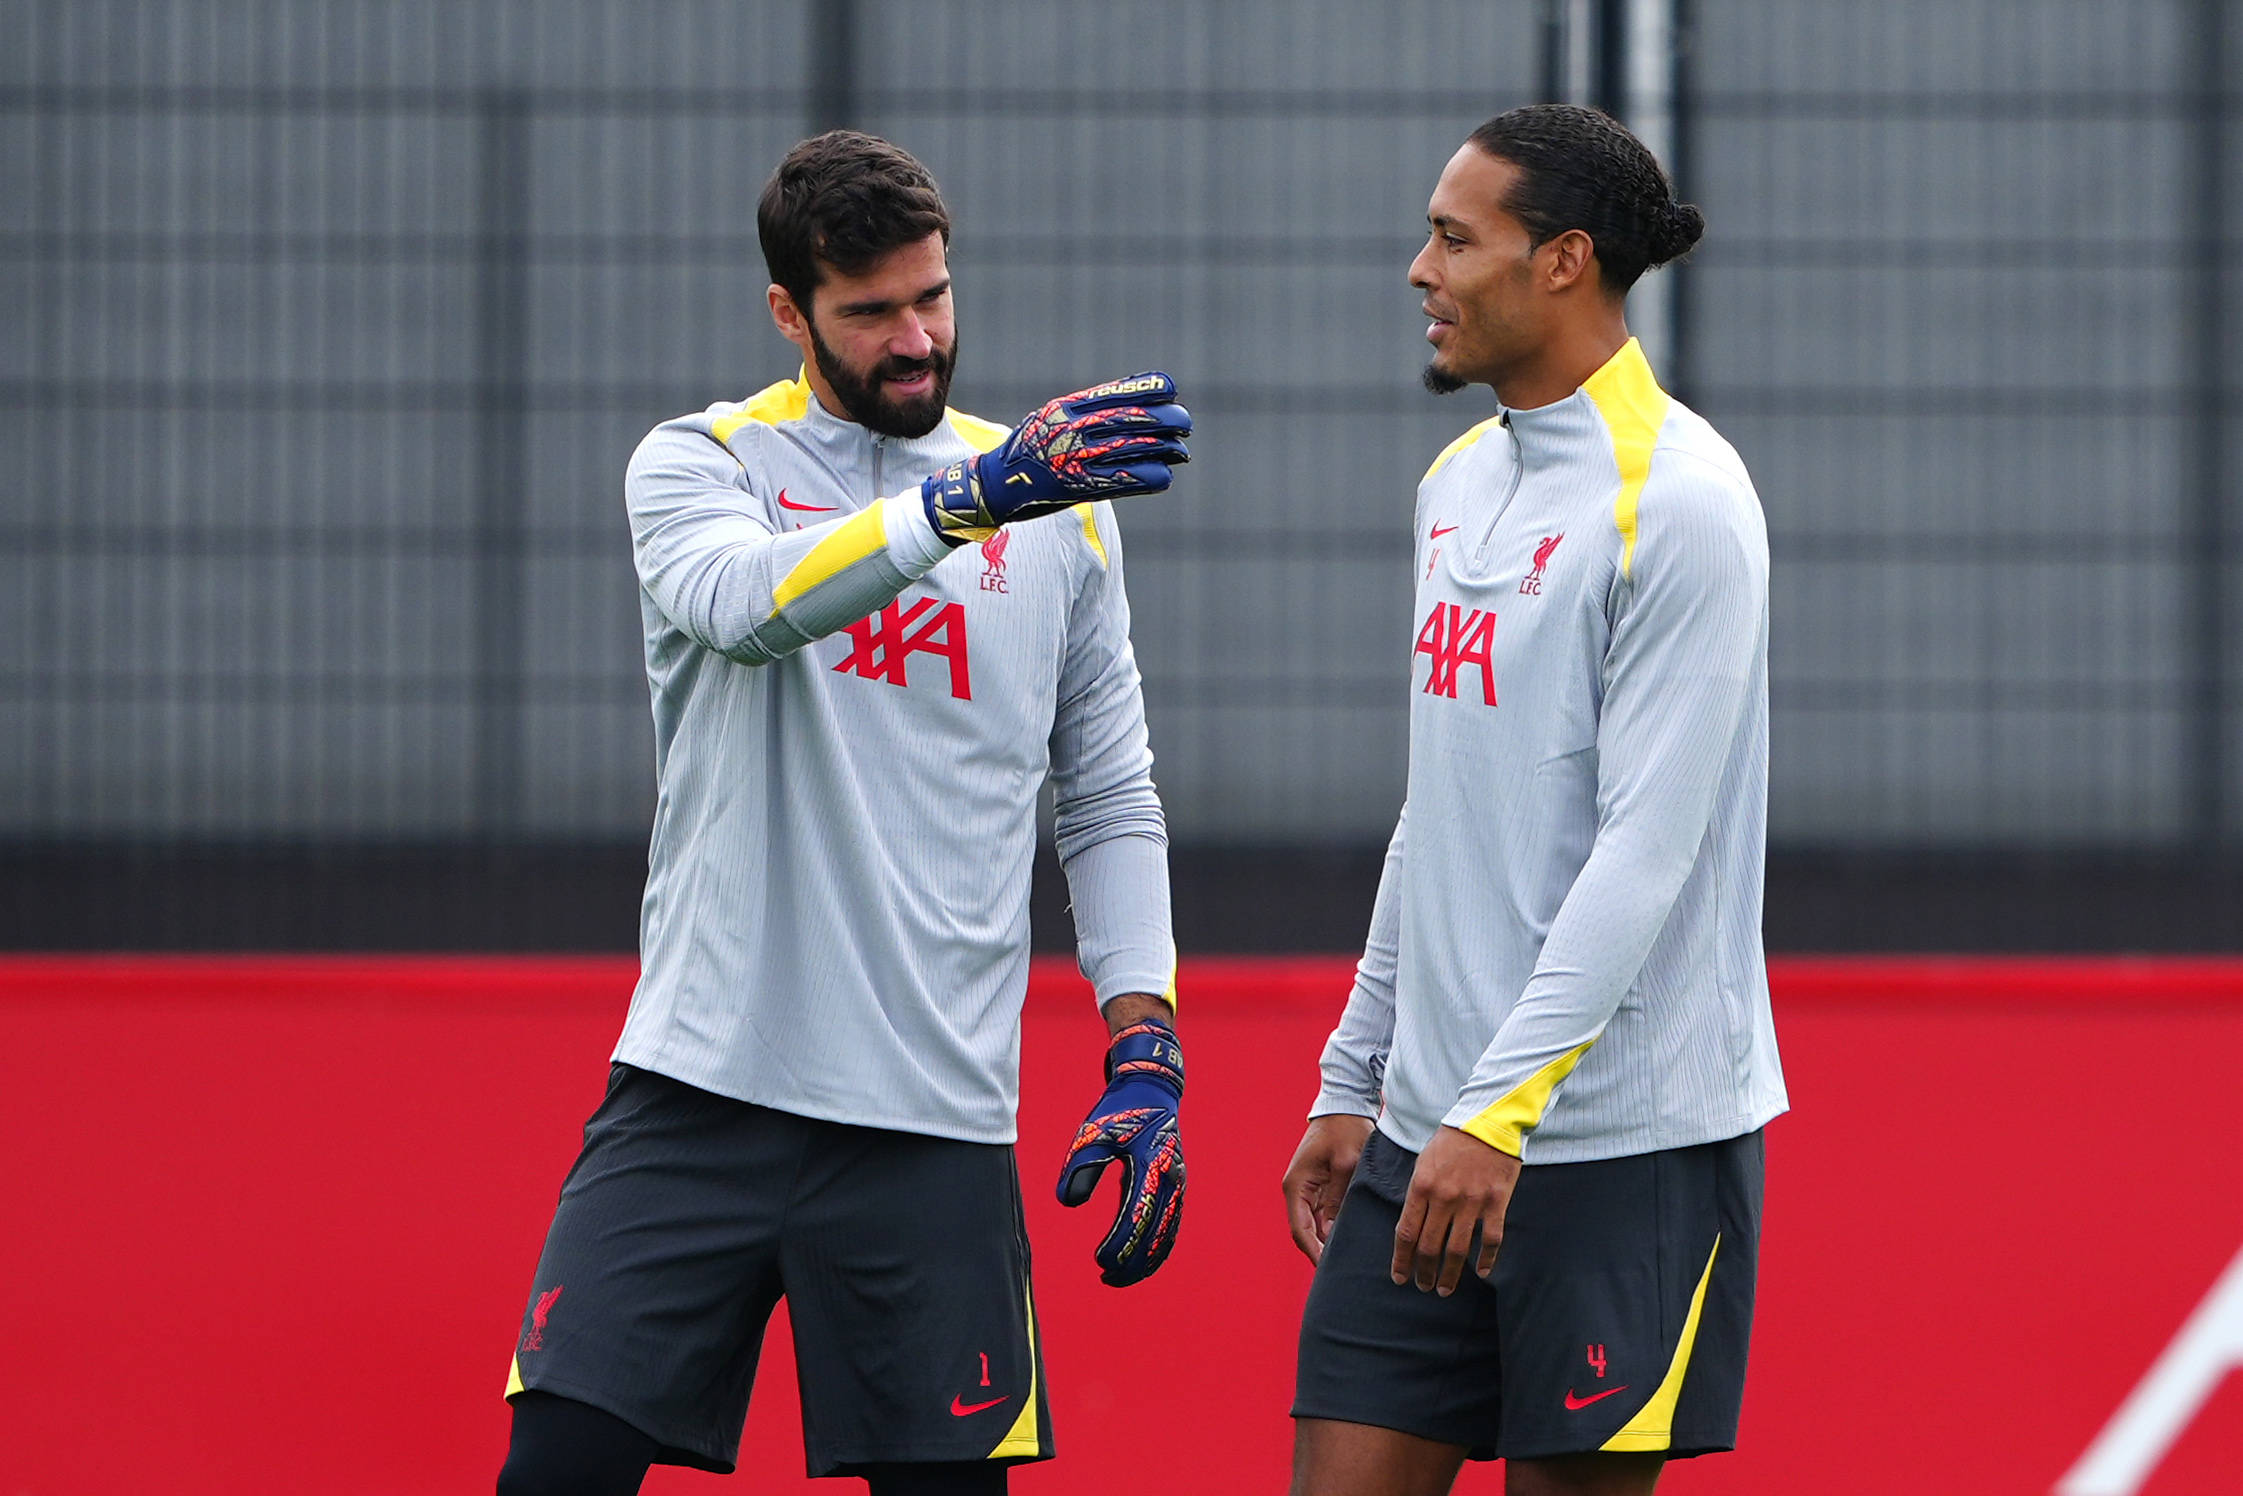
x: 1583, y: 169
x: 843, y: 199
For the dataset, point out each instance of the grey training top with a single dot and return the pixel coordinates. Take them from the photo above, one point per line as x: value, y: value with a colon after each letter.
x: 852, y: 724
x: 1565, y: 955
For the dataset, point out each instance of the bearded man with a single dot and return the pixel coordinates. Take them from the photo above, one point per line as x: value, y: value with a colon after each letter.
x: 874, y: 627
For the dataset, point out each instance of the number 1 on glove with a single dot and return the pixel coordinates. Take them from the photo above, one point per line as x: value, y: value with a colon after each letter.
x: 1134, y: 1124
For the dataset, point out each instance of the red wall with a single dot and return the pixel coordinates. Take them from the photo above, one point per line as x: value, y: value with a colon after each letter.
x: 271, y: 1224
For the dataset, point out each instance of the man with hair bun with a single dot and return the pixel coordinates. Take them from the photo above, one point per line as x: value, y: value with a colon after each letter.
x: 1531, y: 1179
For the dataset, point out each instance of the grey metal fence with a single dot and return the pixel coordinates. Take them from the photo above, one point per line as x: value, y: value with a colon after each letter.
x: 1964, y: 308
x: 336, y: 323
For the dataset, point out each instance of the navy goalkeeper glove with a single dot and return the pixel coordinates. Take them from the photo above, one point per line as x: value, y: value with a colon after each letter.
x: 1108, y: 441
x: 1135, y: 1123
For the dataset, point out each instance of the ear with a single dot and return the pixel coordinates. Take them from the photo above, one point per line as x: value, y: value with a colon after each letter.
x: 788, y: 317
x: 1572, y: 260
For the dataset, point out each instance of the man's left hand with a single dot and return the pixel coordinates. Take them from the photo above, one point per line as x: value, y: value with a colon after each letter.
x: 1460, y: 1183
x: 1111, y: 440
x: 1134, y: 1123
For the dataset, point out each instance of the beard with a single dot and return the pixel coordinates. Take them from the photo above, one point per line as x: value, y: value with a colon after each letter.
x: 860, y: 394
x: 1440, y: 381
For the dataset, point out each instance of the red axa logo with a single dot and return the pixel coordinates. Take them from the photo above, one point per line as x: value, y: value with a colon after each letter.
x: 1531, y: 583
x: 1455, y: 639
x: 885, y: 642
x: 535, y: 1339
x: 993, y: 553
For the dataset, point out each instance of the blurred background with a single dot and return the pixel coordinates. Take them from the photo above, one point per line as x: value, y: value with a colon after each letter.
x: 326, y: 764
x: 337, y: 322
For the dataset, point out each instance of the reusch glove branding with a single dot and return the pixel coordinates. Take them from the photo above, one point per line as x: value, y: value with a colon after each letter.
x: 1109, y: 441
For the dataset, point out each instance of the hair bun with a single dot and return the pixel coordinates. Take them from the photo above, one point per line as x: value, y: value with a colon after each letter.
x: 1678, y: 228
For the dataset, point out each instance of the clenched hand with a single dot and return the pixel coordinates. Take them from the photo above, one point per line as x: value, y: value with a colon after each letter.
x: 1461, y: 1183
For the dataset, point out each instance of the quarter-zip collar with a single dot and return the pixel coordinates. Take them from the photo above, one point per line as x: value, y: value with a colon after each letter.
x: 848, y: 444
x: 1561, y: 432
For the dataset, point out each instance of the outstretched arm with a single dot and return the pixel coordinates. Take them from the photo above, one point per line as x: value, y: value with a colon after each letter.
x: 730, y: 582
x: 719, y: 571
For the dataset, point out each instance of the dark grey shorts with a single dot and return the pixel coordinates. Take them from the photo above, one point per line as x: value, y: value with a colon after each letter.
x: 1618, y: 1317
x: 903, y: 1260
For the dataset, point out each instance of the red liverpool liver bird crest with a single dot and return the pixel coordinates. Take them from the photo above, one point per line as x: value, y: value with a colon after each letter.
x: 993, y: 553
x: 1531, y: 583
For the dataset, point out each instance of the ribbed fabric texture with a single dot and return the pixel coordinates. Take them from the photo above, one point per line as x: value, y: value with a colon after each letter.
x: 1582, y: 861
x: 836, y: 912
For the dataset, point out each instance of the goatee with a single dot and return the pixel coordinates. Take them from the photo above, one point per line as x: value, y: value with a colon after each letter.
x: 1441, y: 382
x: 863, y: 401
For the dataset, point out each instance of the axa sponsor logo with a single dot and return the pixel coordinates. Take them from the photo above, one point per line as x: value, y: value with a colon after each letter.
x: 1455, y: 639
x: 993, y: 561
x: 1531, y: 583
x: 882, y: 645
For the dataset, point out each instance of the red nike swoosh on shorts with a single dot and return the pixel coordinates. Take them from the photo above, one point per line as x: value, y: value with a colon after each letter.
x: 959, y: 1407
x: 1576, y: 1404
x: 1438, y: 530
x: 787, y: 503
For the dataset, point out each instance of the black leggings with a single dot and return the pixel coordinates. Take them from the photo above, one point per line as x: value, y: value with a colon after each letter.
x: 562, y: 1447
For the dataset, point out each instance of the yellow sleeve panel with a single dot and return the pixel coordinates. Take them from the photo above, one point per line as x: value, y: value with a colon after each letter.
x: 514, y: 1378
x: 1634, y: 408
x: 981, y: 435
x: 1461, y: 443
x: 1504, y: 1125
x: 862, y: 534
x: 1021, y: 1441
x: 1089, y: 516
x: 788, y: 400
x: 1653, y: 1427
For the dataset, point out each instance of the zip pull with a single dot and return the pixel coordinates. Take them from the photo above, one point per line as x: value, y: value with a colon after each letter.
x: 1510, y: 492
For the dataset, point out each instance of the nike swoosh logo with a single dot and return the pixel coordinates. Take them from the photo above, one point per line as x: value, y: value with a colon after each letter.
x: 1439, y: 531
x: 1576, y: 1404
x: 959, y: 1407
x: 787, y: 503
